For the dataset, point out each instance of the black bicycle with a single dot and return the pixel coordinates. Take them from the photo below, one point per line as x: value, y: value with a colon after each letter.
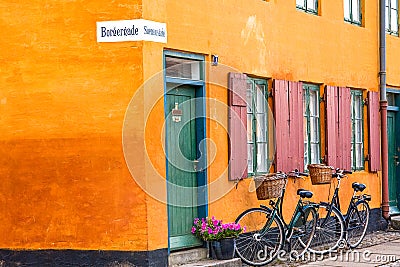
x: 267, y: 232
x: 336, y: 230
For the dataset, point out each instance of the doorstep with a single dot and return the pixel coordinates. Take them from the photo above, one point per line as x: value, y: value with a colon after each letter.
x: 182, y: 257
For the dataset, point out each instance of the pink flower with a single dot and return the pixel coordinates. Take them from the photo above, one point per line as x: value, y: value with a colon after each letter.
x: 193, y: 230
x: 210, y: 231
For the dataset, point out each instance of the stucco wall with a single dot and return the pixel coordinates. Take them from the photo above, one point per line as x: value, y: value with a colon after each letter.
x: 63, y: 98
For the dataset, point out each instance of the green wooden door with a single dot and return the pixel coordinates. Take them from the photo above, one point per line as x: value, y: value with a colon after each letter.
x: 394, y: 163
x: 181, y: 173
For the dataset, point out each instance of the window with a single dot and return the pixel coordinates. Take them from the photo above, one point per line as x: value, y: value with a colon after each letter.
x: 357, y: 130
x: 310, y: 6
x: 311, y: 124
x: 352, y: 11
x: 257, y: 126
x: 392, y: 17
x: 183, y: 68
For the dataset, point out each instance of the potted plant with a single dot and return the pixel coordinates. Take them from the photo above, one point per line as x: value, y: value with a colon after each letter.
x: 220, y: 236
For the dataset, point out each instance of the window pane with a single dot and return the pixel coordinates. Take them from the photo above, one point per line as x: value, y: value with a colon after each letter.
x: 393, y: 3
x: 357, y: 107
x: 250, y: 150
x: 262, y: 157
x: 311, y: 5
x: 356, y: 10
x: 261, y: 128
x: 391, y: 99
x: 305, y: 154
x: 387, y: 19
x: 314, y: 130
x: 300, y: 3
x: 347, y: 9
x: 359, y: 156
x: 393, y: 20
x: 358, y: 133
x: 249, y: 127
x: 261, y: 101
x: 313, y: 103
x: 314, y: 153
x: 249, y: 97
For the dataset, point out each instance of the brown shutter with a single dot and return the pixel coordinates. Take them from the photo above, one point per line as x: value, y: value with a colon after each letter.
x: 331, y: 124
x: 296, y: 130
x: 343, y: 148
x: 281, y: 106
x: 373, y: 131
x: 237, y: 125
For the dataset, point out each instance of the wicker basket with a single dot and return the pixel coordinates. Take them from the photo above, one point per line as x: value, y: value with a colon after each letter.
x: 269, y: 186
x: 320, y: 174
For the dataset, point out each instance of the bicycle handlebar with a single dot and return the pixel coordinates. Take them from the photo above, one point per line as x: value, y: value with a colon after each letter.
x: 339, y: 173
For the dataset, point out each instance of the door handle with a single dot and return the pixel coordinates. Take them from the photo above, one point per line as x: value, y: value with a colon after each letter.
x: 195, y: 165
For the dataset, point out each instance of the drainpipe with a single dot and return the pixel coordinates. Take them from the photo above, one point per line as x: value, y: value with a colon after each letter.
x: 383, y: 107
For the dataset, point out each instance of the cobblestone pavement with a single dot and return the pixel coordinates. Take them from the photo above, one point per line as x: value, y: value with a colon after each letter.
x: 372, y: 239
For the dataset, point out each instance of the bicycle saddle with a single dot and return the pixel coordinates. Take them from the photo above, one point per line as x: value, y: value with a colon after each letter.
x: 358, y: 187
x: 304, y: 193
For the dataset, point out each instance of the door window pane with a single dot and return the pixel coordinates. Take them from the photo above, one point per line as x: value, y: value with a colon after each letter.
x: 182, y: 68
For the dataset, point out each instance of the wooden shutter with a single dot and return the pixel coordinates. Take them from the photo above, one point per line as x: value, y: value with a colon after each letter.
x: 296, y: 129
x: 288, y: 103
x: 237, y: 125
x: 373, y: 131
x: 281, y: 106
x: 343, y: 149
x: 331, y: 124
x: 338, y: 127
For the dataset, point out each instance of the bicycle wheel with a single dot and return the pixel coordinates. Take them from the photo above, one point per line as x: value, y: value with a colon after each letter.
x: 302, y: 232
x: 357, y: 223
x: 330, y: 231
x: 262, y: 239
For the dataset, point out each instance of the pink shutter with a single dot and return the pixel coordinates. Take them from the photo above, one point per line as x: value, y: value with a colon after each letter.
x: 237, y: 126
x: 343, y: 149
x: 296, y: 130
x: 331, y: 124
x: 373, y: 131
x: 281, y: 105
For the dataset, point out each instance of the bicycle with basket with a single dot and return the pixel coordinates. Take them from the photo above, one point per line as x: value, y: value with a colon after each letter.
x: 334, y: 229
x: 266, y: 230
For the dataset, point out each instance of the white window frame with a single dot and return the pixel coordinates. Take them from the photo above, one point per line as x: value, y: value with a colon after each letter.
x: 257, y: 126
x: 312, y: 134
x: 357, y: 130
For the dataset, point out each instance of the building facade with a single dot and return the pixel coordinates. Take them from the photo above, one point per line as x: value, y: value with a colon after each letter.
x: 98, y: 137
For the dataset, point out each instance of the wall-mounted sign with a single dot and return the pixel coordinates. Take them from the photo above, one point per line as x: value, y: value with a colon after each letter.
x: 131, y: 30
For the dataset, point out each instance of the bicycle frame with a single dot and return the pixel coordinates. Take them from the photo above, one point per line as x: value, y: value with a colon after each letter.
x: 277, y: 210
x: 336, y: 202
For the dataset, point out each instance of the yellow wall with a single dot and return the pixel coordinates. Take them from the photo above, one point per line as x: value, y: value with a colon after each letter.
x: 63, y: 98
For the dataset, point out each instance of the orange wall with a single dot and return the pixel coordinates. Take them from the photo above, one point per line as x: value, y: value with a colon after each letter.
x: 63, y: 100
x: 63, y: 97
